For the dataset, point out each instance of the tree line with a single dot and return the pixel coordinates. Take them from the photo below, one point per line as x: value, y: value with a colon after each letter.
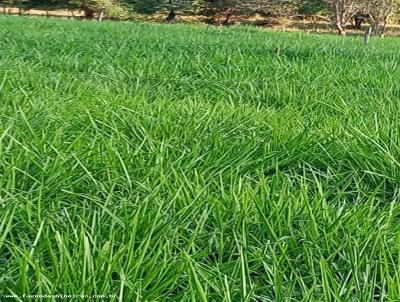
x: 340, y: 12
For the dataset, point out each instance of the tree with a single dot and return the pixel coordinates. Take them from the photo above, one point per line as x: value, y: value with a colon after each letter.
x: 212, y: 7
x: 312, y: 7
x: 28, y: 4
x: 380, y: 11
x: 153, y: 6
x: 112, y: 8
x: 343, y: 11
x: 218, y: 11
x: 145, y: 6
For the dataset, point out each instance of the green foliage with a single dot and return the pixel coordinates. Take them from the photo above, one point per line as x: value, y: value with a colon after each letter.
x: 209, y: 7
x: 183, y: 163
x: 36, y: 3
x: 153, y: 6
x: 112, y: 8
x: 146, y: 6
x: 313, y: 7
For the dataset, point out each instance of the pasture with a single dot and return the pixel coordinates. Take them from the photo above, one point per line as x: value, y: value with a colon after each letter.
x: 191, y: 163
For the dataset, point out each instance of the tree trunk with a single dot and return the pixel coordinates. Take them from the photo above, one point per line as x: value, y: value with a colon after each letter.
x: 340, y: 29
x: 377, y: 25
x: 339, y: 20
x: 226, y: 20
x: 383, y: 31
x: 357, y: 22
x: 314, y: 20
x: 89, y: 12
x: 101, y: 16
x: 171, y: 17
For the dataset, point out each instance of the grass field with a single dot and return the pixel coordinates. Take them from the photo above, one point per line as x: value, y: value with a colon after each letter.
x: 183, y: 163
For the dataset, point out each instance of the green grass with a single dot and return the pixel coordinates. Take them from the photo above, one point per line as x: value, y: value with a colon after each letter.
x: 184, y: 163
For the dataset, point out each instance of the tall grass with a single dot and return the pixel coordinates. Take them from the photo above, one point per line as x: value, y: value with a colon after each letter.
x: 183, y: 163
